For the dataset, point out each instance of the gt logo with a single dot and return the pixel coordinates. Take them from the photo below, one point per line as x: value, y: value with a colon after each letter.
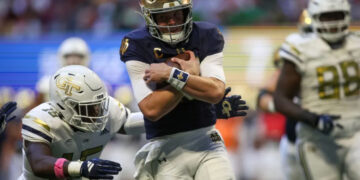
x: 66, y: 84
x: 150, y: 1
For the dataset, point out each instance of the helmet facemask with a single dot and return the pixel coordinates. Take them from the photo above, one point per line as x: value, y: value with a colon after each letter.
x: 332, y: 26
x: 89, y: 116
x: 330, y: 19
x: 164, y: 33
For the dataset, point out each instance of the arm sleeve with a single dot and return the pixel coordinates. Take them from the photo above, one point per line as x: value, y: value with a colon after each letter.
x: 125, y: 122
x: 212, y: 66
x: 136, y: 70
x: 134, y: 124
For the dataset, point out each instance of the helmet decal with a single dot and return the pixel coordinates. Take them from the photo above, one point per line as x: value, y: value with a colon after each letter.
x: 67, y: 84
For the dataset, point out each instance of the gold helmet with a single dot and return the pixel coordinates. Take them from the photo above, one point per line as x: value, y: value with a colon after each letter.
x: 151, y: 7
x: 305, y: 22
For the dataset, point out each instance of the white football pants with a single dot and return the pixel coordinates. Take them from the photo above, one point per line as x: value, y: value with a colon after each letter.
x: 289, y: 162
x: 193, y: 155
x: 329, y: 157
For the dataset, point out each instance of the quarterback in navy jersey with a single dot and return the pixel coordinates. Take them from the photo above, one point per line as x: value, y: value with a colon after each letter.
x: 188, y: 114
x: 180, y: 115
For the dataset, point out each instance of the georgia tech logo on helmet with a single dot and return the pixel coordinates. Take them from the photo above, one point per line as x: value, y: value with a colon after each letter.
x: 66, y: 84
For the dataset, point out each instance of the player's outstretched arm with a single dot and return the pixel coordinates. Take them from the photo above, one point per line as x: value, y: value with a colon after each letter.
x: 230, y: 106
x: 5, y: 114
x: 44, y: 165
x: 134, y: 124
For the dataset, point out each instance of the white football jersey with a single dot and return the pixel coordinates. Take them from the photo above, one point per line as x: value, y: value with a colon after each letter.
x: 42, y: 124
x: 330, y: 77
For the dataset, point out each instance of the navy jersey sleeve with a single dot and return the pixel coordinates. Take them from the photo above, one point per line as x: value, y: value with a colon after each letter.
x: 212, y: 40
x: 215, y: 41
x: 132, y: 46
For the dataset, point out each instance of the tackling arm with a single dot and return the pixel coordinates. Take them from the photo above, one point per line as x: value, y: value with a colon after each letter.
x: 133, y: 125
x: 40, y: 159
x: 44, y: 165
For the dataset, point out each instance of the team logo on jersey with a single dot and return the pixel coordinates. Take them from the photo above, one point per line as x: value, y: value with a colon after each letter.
x: 157, y: 52
x: 215, y: 137
x: 124, y: 46
x: 67, y: 84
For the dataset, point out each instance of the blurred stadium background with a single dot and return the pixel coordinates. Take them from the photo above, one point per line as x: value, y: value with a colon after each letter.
x: 32, y: 30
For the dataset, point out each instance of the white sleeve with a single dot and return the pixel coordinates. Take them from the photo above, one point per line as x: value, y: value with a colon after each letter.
x: 136, y: 70
x: 212, y: 66
x: 135, y: 124
x: 121, y: 117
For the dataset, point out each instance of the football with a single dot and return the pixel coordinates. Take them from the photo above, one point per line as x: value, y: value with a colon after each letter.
x: 184, y: 56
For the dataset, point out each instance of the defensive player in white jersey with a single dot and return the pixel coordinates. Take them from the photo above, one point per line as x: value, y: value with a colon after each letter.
x: 323, y: 69
x: 65, y: 136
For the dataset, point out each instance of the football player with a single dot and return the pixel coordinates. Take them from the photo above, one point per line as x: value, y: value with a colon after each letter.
x: 323, y: 69
x: 180, y: 116
x: 291, y: 165
x: 64, y: 137
x: 5, y: 114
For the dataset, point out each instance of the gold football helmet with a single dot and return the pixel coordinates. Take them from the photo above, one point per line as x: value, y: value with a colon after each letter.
x: 151, y: 7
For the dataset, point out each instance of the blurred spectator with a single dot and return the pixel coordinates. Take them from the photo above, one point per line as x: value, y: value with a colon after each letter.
x: 32, y: 18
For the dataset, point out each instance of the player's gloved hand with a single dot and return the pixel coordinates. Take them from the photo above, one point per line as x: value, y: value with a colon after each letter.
x: 5, y: 112
x: 230, y: 106
x: 325, y: 123
x: 99, y: 169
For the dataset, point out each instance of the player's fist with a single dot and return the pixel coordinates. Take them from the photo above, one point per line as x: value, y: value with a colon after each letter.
x: 190, y: 65
x: 173, y: 63
x: 326, y: 123
x: 230, y: 106
x: 5, y: 112
x: 99, y: 169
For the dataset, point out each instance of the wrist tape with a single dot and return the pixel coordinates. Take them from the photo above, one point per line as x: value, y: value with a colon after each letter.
x: 74, y: 168
x: 178, y: 78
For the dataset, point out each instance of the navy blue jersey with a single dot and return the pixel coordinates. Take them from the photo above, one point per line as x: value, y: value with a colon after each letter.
x: 204, y: 40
